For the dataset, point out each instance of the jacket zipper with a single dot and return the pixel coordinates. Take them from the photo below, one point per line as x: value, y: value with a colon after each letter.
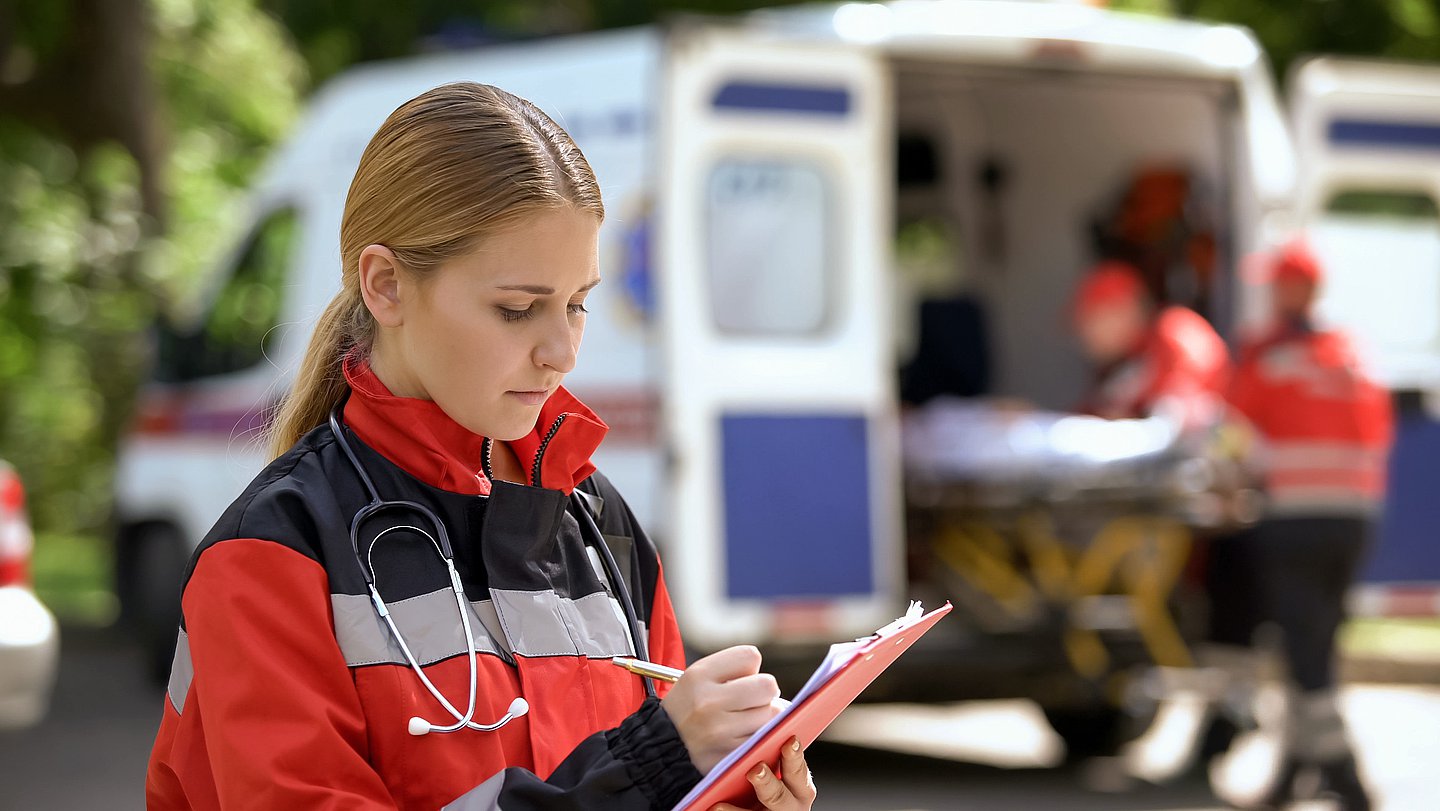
x: 540, y: 451
x: 485, y: 459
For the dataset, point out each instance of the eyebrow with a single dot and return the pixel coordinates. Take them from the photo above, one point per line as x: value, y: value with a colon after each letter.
x: 541, y: 290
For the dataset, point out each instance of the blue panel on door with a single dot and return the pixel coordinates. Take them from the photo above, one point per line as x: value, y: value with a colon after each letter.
x: 796, y: 506
x: 826, y: 100
x: 1407, y: 550
x: 1385, y: 134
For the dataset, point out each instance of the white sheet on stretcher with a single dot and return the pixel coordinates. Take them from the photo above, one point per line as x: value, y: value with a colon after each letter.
x: 966, y: 439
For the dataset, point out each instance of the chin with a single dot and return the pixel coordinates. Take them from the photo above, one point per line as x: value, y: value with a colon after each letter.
x: 513, y: 429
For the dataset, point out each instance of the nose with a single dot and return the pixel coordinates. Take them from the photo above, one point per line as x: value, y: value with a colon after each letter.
x: 559, y: 341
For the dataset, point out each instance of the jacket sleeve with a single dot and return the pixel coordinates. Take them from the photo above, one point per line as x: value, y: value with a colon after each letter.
x: 1246, y: 392
x: 641, y: 764
x: 283, y: 724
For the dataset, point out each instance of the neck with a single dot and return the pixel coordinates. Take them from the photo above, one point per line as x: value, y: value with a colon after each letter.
x: 396, y: 378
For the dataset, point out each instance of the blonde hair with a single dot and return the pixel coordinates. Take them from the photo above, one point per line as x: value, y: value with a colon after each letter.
x: 446, y: 169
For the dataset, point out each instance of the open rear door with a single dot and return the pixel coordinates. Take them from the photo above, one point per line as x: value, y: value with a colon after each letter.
x: 1368, y: 136
x: 775, y: 198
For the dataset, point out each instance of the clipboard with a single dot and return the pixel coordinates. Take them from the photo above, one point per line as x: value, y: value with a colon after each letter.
x: 847, y: 670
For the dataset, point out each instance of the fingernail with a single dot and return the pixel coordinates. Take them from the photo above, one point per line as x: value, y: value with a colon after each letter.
x: 760, y: 773
x: 794, y: 744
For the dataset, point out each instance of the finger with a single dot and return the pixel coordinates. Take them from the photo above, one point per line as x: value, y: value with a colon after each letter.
x: 771, y: 791
x: 740, y: 725
x: 796, y: 773
x: 728, y: 664
x: 748, y: 692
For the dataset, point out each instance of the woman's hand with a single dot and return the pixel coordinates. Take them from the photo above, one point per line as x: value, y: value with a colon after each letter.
x: 794, y: 792
x: 719, y: 702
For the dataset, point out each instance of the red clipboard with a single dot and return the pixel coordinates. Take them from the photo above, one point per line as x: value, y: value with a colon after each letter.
x: 811, y: 714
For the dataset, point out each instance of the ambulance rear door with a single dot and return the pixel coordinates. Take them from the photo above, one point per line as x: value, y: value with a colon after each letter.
x: 1368, y: 138
x: 778, y: 393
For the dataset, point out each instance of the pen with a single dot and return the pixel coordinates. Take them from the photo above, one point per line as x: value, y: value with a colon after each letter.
x: 654, y: 671
x: 667, y: 674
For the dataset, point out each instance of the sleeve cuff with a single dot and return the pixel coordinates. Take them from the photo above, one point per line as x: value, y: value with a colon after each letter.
x: 654, y: 756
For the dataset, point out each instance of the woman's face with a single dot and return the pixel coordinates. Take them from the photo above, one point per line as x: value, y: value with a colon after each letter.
x: 489, y: 335
x: 1108, y: 332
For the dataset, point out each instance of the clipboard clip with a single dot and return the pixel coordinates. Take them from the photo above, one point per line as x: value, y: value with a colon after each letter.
x: 914, y: 612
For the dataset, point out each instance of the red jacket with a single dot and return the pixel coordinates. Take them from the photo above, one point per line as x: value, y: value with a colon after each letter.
x: 1327, y: 426
x: 288, y: 692
x: 1181, y: 359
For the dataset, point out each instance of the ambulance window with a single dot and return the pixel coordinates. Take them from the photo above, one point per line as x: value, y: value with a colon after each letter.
x: 1381, y: 250
x: 238, y: 329
x: 768, y: 251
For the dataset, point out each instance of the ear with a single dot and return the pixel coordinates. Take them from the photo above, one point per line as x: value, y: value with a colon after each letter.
x: 380, y: 285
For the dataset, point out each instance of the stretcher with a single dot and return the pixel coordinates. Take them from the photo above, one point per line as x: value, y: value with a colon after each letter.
x: 1032, y: 518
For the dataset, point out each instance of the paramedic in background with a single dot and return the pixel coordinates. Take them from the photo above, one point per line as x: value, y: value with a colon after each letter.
x: 1325, y: 428
x: 1148, y: 359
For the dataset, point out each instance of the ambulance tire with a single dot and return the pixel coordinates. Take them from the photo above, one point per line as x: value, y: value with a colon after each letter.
x: 155, y: 567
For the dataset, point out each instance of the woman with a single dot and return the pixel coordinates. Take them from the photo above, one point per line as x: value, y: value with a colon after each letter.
x: 468, y: 244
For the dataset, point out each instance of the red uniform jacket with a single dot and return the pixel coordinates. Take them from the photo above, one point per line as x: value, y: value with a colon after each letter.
x: 288, y: 691
x: 1327, y: 426
x: 1181, y: 360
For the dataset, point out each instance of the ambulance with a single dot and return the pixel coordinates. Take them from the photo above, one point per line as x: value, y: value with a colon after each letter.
x: 788, y: 191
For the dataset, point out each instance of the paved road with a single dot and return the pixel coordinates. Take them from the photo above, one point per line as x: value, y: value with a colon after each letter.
x: 91, y: 752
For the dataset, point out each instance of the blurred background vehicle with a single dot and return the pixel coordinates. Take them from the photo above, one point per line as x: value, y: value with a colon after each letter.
x: 29, y: 637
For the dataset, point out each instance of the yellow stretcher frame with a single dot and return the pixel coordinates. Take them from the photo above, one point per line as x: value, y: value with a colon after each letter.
x: 1139, y: 556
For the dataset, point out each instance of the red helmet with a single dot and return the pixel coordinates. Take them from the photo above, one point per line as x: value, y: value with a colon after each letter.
x: 1295, y: 261
x: 1110, y: 282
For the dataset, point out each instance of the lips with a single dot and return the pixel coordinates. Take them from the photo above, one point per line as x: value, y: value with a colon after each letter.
x: 534, y: 397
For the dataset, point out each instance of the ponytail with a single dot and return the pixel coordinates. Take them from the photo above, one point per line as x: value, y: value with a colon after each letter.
x: 320, y: 384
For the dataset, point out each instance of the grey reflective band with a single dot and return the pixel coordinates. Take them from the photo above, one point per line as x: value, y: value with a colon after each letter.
x: 429, y: 623
x: 528, y: 623
x: 542, y: 623
x: 182, y: 672
x: 484, y: 797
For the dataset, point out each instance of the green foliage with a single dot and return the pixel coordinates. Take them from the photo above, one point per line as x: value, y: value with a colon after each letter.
x: 334, y: 34
x: 1290, y: 29
x: 82, y: 273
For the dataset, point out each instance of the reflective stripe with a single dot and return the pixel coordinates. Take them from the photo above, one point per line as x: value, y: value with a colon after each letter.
x: 1347, y: 455
x: 429, y: 622
x: 182, y: 672
x: 484, y: 797
x: 1325, y: 478
x: 542, y: 623
x: 529, y: 623
x: 1301, y: 501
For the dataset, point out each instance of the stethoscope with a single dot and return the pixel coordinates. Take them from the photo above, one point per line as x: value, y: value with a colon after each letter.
x: 440, y: 540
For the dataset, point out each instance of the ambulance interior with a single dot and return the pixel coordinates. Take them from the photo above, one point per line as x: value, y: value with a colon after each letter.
x: 1011, y: 182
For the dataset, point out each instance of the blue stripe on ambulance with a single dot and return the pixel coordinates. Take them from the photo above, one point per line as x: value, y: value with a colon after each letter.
x: 828, y: 100
x: 1355, y: 132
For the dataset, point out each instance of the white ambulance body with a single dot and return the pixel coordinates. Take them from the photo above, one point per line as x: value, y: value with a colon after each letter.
x: 745, y: 343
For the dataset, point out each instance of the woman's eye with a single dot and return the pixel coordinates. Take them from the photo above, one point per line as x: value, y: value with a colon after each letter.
x: 577, y: 309
x: 516, y: 315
